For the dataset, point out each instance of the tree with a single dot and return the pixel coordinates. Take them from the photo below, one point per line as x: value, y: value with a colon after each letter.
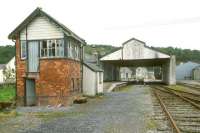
x: 9, y: 75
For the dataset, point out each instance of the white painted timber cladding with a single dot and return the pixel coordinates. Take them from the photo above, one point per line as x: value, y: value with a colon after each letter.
x: 41, y: 28
x: 134, y: 50
x: 91, y: 82
x: 99, y: 82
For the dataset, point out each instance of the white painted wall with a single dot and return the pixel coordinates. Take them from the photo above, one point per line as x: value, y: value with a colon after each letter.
x: 11, y: 64
x: 169, y: 71
x: 137, y: 50
x: 196, y: 73
x: 134, y: 50
x: 99, y: 82
x: 124, y: 71
x: 41, y: 28
x: 91, y: 82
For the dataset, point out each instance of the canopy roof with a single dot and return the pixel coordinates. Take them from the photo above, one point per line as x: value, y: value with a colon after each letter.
x: 134, y: 49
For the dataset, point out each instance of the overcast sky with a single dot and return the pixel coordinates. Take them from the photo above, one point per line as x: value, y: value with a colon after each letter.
x: 157, y: 22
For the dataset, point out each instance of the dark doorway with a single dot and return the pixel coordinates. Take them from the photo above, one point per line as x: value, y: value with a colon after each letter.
x: 30, y: 92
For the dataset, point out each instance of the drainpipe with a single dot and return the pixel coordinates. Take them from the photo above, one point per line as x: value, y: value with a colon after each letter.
x: 15, y: 72
x: 82, y: 51
x: 26, y: 52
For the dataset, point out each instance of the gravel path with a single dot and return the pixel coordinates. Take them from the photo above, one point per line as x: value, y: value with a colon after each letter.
x: 126, y: 111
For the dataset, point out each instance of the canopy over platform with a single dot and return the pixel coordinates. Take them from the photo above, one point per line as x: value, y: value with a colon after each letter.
x: 135, y: 53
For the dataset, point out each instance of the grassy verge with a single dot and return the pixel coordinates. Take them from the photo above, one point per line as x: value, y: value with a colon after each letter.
x: 177, y: 87
x: 46, y: 116
x: 123, y: 88
x: 7, y: 93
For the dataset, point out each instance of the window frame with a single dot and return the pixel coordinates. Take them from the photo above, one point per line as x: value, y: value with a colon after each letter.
x: 21, y: 49
x: 74, y: 50
x: 70, y: 47
x: 61, y: 48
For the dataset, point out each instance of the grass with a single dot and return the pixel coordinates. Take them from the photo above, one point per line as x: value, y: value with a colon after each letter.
x: 46, y: 116
x: 12, y: 113
x: 124, y: 88
x: 7, y: 93
x: 177, y: 87
x: 151, y: 124
x: 5, y: 115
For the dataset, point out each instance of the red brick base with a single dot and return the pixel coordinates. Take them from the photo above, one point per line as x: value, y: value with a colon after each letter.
x: 58, y: 80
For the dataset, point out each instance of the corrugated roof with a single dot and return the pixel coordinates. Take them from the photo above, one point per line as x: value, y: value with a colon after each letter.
x: 38, y: 12
x: 197, y: 67
x: 93, y: 67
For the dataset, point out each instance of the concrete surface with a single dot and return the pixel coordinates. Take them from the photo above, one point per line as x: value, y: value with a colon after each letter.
x: 113, y: 85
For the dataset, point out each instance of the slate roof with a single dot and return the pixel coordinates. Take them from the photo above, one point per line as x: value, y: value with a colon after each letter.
x: 2, y: 66
x: 37, y: 12
x: 93, y: 67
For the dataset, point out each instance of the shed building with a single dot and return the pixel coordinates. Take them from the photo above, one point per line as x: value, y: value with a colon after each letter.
x: 92, y: 79
x: 196, y: 73
x: 184, y: 70
x: 135, y: 53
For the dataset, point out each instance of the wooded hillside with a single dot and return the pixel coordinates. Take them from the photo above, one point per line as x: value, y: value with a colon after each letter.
x: 182, y: 55
x: 6, y: 53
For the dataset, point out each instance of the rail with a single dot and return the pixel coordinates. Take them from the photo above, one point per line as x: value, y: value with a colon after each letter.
x: 173, y: 123
x: 182, y: 97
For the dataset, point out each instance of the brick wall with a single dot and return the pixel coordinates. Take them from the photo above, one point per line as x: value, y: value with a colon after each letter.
x: 20, y: 74
x: 56, y: 80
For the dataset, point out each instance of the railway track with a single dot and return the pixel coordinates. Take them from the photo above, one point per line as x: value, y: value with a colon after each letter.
x: 194, y: 97
x: 180, y: 113
x: 191, y: 86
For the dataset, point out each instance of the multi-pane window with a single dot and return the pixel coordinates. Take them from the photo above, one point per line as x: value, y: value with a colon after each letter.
x: 43, y: 48
x: 52, y: 48
x: 70, y: 50
x: 73, y: 50
x: 23, y: 50
x: 78, y: 53
x: 60, y: 48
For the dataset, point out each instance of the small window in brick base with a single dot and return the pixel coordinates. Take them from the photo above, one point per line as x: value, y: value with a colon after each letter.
x: 78, y: 84
x: 72, y: 85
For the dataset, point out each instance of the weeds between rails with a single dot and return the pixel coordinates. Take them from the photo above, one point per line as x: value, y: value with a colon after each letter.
x: 182, y: 115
